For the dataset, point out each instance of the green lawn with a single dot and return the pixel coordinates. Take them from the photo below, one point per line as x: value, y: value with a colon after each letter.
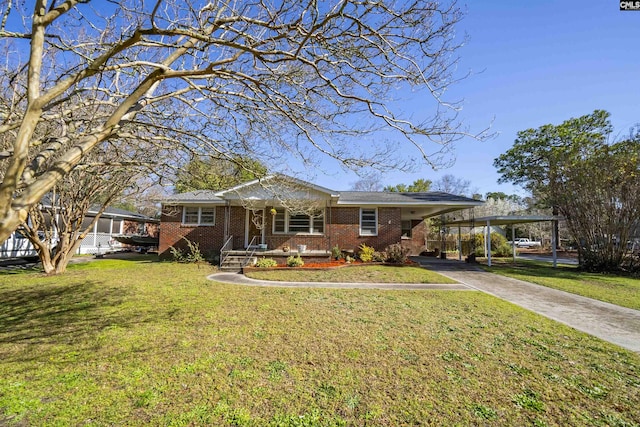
x: 147, y: 343
x: 619, y: 290
x: 356, y: 273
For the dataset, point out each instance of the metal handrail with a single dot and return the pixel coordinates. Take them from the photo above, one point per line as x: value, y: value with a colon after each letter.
x: 247, y: 255
x: 224, y: 256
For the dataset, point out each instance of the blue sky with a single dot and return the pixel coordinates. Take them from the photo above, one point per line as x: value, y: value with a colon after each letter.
x: 534, y: 63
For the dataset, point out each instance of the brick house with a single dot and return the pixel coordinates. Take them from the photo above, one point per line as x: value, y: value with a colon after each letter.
x: 281, y: 214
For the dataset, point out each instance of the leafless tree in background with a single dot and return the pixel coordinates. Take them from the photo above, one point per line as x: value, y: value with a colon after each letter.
x: 368, y: 182
x: 452, y: 185
x: 57, y: 226
x: 270, y: 81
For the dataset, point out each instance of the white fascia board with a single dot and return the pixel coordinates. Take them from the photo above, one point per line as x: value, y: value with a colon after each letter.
x: 416, y: 204
x: 195, y: 202
x: 122, y: 216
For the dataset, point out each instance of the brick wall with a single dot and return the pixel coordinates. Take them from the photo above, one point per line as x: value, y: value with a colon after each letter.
x: 342, y: 228
x: 209, y: 238
x: 278, y: 241
x: 418, y: 235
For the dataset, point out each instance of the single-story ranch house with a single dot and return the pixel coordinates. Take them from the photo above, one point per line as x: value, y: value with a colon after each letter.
x: 286, y: 215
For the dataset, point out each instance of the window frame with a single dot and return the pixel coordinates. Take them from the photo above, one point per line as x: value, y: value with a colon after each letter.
x: 409, y: 230
x: 312, y: 223
x: 276, y: 220
x: 368, y: 232
x: 199, y: 222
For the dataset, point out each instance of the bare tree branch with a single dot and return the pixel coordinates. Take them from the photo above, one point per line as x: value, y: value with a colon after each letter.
x: 285, y: 85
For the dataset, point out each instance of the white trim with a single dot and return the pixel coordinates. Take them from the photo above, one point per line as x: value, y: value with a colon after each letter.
x: 246, y: 228
x: 375, y: 233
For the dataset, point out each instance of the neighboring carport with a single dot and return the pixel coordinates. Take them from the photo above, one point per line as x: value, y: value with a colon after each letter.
x: 488, y: 221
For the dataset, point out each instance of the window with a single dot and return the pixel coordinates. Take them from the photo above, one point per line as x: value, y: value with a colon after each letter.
x: 284, y: 222
x: 317, y: 224
x: 198, y: 216
x: 190, y: 215
x: 368, y: 222
x: 207, y: 215
x: 104, y: 225
x: 86, y: 222
x: 406, y: 229
x: 279, y: 221
x: 299, y: 223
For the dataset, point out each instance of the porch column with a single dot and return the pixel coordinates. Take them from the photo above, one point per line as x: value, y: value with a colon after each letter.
x: 110, y: 228
x: 225, y: 226
x: 263, y: 231
x: 95, y: 234
x: 246, y: 227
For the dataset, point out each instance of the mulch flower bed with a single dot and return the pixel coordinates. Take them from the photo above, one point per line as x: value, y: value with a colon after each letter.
x: 328, y: 265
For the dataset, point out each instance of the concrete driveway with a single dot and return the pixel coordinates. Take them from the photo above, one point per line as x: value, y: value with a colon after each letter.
x: 618, y: 325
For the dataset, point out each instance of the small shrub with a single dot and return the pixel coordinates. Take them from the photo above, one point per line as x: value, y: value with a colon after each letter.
x: 366, y: 253
x: 349, y: 260
x: 176, y: 254
x: 336, y: 252
x: 504, y: 250
x: 396, y: 254
x: 499, y: 245
x: 191, y: 255
x: 266, y: 263
x: 379, y: 256
x: 295, y: 261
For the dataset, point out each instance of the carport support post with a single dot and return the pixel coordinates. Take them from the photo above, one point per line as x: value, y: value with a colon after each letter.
x: 459, y: 244
x: 554, y: 240
x: 513, y: 240
x: 487, y: 243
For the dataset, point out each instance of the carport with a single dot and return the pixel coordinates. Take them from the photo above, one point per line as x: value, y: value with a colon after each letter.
x: 488, y: 221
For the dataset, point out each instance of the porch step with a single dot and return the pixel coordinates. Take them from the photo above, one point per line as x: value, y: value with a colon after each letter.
x: 236, y: 262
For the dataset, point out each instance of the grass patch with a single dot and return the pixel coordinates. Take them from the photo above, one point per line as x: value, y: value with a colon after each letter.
x: 150, y: 343
x: 620, y: 290
x: 353, y: 274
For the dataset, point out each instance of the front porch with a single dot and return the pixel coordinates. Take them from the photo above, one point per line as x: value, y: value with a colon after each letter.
x: 234, y: 259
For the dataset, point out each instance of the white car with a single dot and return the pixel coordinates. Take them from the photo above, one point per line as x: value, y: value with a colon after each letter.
x: 526, y: 243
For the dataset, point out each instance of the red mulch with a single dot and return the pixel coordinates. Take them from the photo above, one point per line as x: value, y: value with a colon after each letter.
x: 328, y: 264
x: 339, y: 263
x: 325, y: 265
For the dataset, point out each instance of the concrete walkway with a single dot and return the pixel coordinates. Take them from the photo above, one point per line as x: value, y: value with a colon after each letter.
x: 241, y: 279
x: 609, y: 322
x: 618, y: 325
